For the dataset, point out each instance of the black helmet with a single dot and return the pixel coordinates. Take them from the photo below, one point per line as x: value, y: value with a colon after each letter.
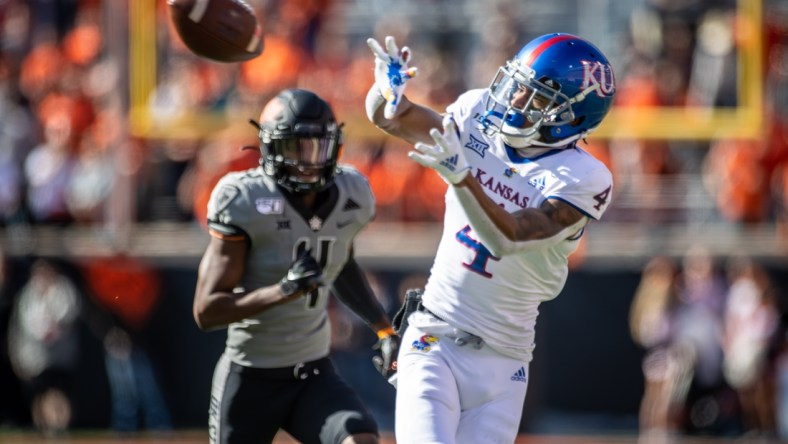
x: 298, y: 133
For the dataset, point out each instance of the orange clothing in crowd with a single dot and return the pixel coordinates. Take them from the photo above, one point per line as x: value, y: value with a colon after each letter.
x: 124, y: 286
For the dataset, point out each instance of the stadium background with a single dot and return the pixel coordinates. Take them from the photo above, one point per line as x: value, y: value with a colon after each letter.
x: 697, y: 141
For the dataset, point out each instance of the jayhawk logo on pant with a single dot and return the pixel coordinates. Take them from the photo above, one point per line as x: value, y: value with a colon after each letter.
x: 424, y: 343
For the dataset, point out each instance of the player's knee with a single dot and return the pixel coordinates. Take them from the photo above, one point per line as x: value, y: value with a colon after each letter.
x: 361, y: 438
x: 350, y: 426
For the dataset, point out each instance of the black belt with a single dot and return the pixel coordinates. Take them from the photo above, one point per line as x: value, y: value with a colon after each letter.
x: 300, y: 371
x: 420, y: 307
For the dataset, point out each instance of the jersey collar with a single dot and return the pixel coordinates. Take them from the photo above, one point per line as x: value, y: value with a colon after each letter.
x: 515, y: 157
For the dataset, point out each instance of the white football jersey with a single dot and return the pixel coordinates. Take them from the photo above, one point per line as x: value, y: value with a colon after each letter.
x: 497, y: 298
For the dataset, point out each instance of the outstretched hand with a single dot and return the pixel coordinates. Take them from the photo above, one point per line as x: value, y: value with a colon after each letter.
x: 446, y: 156
x: 391, y: 72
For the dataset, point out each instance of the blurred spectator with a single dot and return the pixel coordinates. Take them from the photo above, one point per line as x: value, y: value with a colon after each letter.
x: 734, y: 175
x: 12, y: 398
x: 650, y: 320
x: 15, y: 28
x: 781, y: 384
x: 500, y: 34
x: 39, y: 71
x: 91, y: 182
x: 166, y: 163
x: 646, y: 169
x: 191, y: 84
x: 16, y: 138
x: 129, y: 290
x: 288, y: 26
x: 424, y: 201
x: 217, y: 157
x: 390, y: 175
x: 698, y: 332
x: 56, y: 17
x: 68, y: 99
x: 44, y: 344
x: 713, y: 65
x: 83, y: 43
x: 48, y: 169
x: 779, y: 188
x: 751, y: 324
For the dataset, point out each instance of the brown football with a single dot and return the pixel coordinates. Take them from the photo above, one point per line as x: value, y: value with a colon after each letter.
x: 221, y: 30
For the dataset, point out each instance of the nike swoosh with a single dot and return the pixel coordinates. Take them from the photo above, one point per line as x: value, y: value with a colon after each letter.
x: 291, y: 276
x: 343, y: 224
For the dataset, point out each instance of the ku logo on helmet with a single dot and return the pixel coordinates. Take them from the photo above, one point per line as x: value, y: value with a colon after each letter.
x: 599, y: 75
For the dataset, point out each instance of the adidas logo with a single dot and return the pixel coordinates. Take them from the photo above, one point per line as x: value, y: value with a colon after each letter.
x: 450, y: 163
x: 538, y: 183
x: 351, y: 205
x: 519, y: 375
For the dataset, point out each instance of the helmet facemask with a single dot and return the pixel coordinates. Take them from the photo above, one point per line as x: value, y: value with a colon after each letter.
x: 520, y: 107
x: 300, y: 141
x: 303, y: 162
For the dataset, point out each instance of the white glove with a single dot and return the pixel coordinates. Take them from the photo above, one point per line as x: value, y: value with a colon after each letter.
x: 446, y: 156
x: 391, y: 72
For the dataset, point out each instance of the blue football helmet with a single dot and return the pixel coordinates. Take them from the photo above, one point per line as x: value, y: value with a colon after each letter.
x: 556, y: 90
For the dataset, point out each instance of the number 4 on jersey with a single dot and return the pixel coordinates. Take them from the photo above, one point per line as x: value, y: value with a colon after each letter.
x: 482, y: 254
x: 601, y: 198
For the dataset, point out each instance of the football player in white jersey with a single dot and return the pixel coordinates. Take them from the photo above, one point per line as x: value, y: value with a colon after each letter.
x: 281, y: 237
x: 521, y: 192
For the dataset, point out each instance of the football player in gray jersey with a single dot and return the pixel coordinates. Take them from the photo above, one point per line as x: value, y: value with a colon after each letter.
x: 282, y: 241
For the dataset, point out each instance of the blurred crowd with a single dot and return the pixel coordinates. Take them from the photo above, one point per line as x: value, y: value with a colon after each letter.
x: 69, y: 156
x: 94, y: 343
x: 48, y: 309
x: 716, y: 350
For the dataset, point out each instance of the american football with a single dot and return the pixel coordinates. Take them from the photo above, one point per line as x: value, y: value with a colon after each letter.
x: 221, y: 30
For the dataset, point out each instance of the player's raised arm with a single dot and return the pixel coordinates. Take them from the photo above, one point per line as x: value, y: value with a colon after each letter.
x: 386, y: 104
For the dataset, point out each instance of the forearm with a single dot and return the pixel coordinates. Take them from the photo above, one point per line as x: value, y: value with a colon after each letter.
x: 224, y: 307
x: 411, y: 123
x: 485, y: 211
x: 353, y: 289
x: 505, y: 233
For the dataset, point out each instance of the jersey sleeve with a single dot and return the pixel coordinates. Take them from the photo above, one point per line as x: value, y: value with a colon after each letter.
x: 590, y: 192
x: 229, y: 209
x: 359, y: 200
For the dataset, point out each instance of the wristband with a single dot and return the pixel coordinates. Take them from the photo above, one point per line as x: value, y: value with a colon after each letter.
x: 288, y: 288
x: 384, y: 333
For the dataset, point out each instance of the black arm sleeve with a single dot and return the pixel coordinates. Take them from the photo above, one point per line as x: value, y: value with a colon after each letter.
x: 352, y: 288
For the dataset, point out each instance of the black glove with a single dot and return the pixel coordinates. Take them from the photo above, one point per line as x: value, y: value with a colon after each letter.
x: 386, y: 362
x: 304, y: 274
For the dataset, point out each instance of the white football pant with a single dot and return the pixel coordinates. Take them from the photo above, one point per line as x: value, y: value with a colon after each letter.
x: 450, y: 393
